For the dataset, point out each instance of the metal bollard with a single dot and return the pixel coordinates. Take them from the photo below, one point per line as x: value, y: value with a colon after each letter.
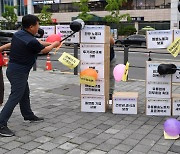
x: 126, y: 50
x: 76, y: 56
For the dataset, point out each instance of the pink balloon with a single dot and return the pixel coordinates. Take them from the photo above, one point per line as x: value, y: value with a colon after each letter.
x: 118, y: 72
x: 53, y: 37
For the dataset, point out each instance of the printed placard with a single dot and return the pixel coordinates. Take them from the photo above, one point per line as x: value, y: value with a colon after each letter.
x: 88, y: 80
x: 99, y: 67
x: 124, y: 105
x: 176, y: 106
x: 176, y: 75
x: 159, y: 39
x: 176, y: 33
x: 174, y: 48
x: 98, y: 89
x: 93, y: 103
x: 152, y: 72
x: 158, y: 89
x: 159, y: 107
x: 94, y: 34
x: 68, y: 60
x: 66, y: 31
x: 48, y: 30
x: 92, y: 52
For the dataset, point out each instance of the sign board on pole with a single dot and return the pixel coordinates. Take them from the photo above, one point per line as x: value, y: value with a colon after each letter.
x: 176, y: 33
x: 159, y: 39
x: 65, y: 31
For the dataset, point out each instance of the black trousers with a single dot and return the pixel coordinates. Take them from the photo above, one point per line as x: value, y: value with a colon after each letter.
x: 1, y: 86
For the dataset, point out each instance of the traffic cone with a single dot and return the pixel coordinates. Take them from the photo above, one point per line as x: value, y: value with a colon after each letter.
x: 48, y: 63
x: 5, y: 59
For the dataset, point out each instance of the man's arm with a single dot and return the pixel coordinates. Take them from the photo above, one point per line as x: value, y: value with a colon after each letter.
x: 44, y: 43
x: 50, y: 47
x: 5, y: 46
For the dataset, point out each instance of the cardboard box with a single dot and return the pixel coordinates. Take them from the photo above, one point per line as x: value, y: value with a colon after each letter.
x: 101, y: 88
x: 158, y: 89
x: 176, y: 76
x: 97, y: 53
x: 95, y: 34
x: 175, y: 104
x: 125, y: 103
x: 99, y: 67
x: 93, y: 103
x: 157, y: 106
x: 152, y: 73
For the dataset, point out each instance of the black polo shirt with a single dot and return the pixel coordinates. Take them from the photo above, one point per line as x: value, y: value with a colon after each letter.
x: 23, y: 52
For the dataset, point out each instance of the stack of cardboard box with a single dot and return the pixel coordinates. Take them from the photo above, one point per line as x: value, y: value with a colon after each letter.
x: 95, y: 53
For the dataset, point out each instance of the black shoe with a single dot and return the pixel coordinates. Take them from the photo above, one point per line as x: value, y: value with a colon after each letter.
x: 6, y: 132
x: 34, y: 119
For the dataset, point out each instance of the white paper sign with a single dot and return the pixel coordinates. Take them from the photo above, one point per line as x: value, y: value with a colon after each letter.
x: 93, y: 34
x: 94, y: 90
x: 65, y: 30
x: 124, y: 105
x: 176, y: 106
x: 176, y: 75
x: 158, y: 89
x: 159, y: 107
x: 159, y: 39
x: 92, y: 103
x: 176, y: 33
x: 48, y: 30
x: 152, y: 72
x: 99, y: 67
x: 92, y: 53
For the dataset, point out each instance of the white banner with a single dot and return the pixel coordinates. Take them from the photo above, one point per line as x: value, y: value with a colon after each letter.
x: 48, y: 30
x: 159, y: 39
x: 176, y: 33
x: 65, y: 31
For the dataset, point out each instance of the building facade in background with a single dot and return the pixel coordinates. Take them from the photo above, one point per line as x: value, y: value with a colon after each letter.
x: 160, y: 14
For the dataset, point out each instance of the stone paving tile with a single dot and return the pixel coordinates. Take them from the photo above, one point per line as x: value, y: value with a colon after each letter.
x: 94, y: 151
x: 37, y: 151
x: 2, y: 151
x: 43, y: 139
x: 154, y: 152
x: 105, y: 147
x: 135, y: 152
x: 68, y: 146
x: 17, y: 151
x: 111, y: 131
x: 116, y: 152
x: 172, y: 152
x: 12, y: 145
x: 175, y: 148
x: 77, y: 151
x: 87, y: 146
x: 123, y: 147
x: 141, y: 148
x: 78, y: 140
x: 57, y: 151
x: 30, y: 145
x: 130, y: 141
x: 48, y: 146
x: 160, y: 148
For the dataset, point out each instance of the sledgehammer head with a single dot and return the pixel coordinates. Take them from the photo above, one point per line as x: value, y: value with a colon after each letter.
x: 77, y: 25
x: 164, y: 69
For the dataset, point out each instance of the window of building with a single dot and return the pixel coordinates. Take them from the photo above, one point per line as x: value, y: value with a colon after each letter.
x: 22, y: 8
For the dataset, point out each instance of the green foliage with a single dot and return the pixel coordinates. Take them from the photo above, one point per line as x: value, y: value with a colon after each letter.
x: 45, y: 16
x: 84, y: 9
x: 127, y: 30
x: 113, y: 6
x: 10, y: 17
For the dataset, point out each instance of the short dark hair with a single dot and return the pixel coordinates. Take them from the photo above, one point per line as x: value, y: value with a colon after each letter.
x: 29, y: 20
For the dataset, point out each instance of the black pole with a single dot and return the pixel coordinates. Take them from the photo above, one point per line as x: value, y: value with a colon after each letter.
x: 67, y: 36
x: 35, y: 66
x: 76, y: 56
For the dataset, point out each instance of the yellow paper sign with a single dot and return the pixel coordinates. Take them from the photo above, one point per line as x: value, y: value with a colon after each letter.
x: 68, y: 60
x: 168, y: 137
x: 87, y: 80
x: 124, y: 78
x: 174, y: 48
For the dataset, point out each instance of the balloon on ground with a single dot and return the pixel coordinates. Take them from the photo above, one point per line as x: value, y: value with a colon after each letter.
x: 54, y: 37
x: 172, y: 127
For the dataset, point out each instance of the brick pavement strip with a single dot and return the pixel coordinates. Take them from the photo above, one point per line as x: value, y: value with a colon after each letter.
x: 66, y: 130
